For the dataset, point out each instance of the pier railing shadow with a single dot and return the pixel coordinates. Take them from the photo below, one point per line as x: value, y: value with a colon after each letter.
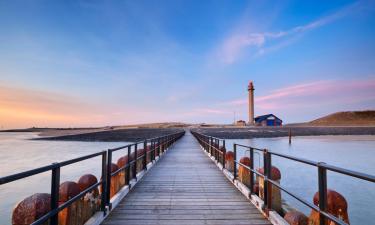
x: 157, y: 146
x: 217, y: 149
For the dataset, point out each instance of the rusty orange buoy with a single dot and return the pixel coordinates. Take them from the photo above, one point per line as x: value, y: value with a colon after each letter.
x: 275, y: 173
x: 229, y: 161
x: 69, y: 215
x: 121, y: 162
x: 91, y: 200
x: 31, y: 209
x: 296, y: 218
x: 68, y: 190
x: 86, y: 181
x: 243, y: 172
x: 276, y: 193
x: 336, y: 205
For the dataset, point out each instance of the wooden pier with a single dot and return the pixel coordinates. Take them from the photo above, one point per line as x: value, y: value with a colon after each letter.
x: 185, y: 187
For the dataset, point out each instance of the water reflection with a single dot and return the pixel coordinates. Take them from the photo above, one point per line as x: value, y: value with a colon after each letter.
x: 350, y: 152
x: 19, y: 154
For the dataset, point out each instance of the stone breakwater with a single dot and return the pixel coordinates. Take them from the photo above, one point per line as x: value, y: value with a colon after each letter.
x: 122, y: 135
x: 269, y: 132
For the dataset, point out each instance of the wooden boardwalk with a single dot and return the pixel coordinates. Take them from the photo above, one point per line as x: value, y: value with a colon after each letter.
x: 185, y: 187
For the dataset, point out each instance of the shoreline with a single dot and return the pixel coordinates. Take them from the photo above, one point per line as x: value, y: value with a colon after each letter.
x: 137, y: 134
x: 116, y: 135
x: 271, y: 132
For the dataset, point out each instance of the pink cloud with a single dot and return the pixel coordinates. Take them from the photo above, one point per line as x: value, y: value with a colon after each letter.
x: 211, y: 111
x: 315, y: 93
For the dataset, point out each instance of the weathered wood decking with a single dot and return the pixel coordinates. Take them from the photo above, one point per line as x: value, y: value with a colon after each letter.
x: 185, y: 187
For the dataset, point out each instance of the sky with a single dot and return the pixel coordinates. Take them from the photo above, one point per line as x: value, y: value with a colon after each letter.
x: 100, y: 63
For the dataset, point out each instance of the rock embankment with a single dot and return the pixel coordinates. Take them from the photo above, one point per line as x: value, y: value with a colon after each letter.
x: 267, y: 132
x: 126, y: 135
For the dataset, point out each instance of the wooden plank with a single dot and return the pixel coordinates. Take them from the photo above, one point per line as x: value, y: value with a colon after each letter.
x: 189, y: 222
x: 185, y: 187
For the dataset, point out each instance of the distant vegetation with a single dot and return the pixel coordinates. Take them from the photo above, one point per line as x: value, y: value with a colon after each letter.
x: 351, y: 118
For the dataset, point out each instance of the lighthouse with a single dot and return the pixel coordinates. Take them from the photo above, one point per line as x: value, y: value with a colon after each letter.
x: 251, y: 89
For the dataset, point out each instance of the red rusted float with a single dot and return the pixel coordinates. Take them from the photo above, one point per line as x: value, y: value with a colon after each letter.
x: 162, y: 147
x: 148, y: 154
x: 140, y: 153
x: 243, y: 172
x: 70, y: 215
x: 115, y: 181
x: 91, y: 201
x: 157, y: 149
x: 296, y: 218
x: 222, y: 150
x: 229, y: 161
x: 31, y: 208
x: 256, y: 188
x: 276, y: 193
x: 336, y: 205
x: 131, y: 159
x: 121, y: 162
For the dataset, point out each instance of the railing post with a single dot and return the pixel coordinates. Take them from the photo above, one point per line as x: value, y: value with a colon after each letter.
x: 159, y: 152
x: 268, y: 199
x: 127, y: 180
x: 162, y: 144
x: 144, y: 160
x: 234, y: 161
x: 55, y: 184
x: 322, y: 179
x: 210, y: 145
x: 152, y: 150
x: 104, y: 181
x: 135, y: 161
x: 217, y: 150
x: 109, y: 176
x: 224, y: 153
x: 251, y: 171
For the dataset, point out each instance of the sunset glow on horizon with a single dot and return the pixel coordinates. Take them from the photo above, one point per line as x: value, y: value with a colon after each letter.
x: 92, y: 63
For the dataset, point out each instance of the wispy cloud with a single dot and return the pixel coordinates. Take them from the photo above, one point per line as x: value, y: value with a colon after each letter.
x: 239, y: 41
x: 317, y: 93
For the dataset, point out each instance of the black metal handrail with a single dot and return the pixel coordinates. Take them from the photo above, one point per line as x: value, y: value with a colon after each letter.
x: 267, y: 163
x: 159, y: 144
x: 55, y: 183
x: 213, y: 145
x: 106, y: 175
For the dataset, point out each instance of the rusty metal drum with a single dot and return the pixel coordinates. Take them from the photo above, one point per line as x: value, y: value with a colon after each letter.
x: 31, y: 208
x: 229, y: 161
x: 243, y: 172
x: 276, y: 193
x: 91, y: 201
x: 69, y: 215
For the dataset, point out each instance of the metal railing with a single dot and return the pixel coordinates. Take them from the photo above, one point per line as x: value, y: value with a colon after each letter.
x: 322, y: 168
x: 157, y: 146
x: 105, y: 182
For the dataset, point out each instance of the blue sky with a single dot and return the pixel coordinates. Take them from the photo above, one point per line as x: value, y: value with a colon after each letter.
x: 90, y: 63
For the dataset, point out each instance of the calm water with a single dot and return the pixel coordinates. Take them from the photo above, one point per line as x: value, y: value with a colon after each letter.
x: 350, y: 152
x: 18, y: 154
x: 353, y: 152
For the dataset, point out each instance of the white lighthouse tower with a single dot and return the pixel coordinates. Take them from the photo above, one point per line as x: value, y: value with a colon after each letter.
x: 251, y: 89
